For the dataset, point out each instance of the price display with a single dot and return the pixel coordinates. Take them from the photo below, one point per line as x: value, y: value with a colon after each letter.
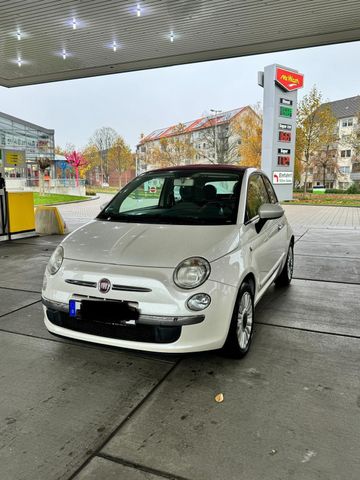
x: 285, y: 112
x: 284, y: 160
x: 284, y: 136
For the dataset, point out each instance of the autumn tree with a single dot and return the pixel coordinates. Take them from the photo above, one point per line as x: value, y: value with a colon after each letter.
x: 176, y: 149
x: 317, y: 126
x: 76, y: 160
x: 249, y: 129
x: 120, y: 157
x: 102, y: 140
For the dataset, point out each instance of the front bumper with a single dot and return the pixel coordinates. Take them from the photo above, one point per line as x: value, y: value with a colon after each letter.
x: 165, y: 323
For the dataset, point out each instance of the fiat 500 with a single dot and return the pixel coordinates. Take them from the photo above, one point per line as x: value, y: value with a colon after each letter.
x: 176, y: 262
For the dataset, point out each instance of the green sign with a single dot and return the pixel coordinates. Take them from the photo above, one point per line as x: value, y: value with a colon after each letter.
x: 285, y: 111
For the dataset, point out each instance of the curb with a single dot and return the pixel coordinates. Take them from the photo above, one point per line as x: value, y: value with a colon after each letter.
x: 319, y: 205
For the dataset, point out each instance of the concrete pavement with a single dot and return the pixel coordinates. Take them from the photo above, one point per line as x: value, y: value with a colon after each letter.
x: 70, y: 410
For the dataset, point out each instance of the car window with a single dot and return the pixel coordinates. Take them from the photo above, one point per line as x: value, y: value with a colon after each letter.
x: 270, y: 190
x: 145, y: 195
x: 256, y: 196
x: 185, y: 197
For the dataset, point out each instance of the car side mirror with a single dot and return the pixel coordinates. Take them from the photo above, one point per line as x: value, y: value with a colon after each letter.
x: 270, y: 211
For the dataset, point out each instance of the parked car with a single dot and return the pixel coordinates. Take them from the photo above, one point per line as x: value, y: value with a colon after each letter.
x: 176, y: 262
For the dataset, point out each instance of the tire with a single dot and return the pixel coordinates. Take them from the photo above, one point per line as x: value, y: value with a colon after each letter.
x: 241, y: 329
x: 286, y: 274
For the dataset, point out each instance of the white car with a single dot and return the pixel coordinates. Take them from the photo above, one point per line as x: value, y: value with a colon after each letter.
x: 174, y: 263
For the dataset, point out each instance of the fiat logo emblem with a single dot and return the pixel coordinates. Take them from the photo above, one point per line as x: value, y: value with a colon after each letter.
x: 104, y: 285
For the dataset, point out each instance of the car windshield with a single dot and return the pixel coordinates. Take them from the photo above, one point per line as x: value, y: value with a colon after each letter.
x: 178, y: 197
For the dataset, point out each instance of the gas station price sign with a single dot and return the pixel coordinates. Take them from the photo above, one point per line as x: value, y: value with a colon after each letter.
x: 284, y: 160
x: 285, y: 111
x: 284, y: 136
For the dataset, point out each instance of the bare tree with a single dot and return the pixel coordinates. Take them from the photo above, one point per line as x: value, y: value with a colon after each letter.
x: 219, y: 142
x: 43, y: 164
x: 103, y: 139
x: 326, y: 160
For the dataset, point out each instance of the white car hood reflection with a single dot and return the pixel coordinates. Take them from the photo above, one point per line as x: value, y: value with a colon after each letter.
x: 149, y: 245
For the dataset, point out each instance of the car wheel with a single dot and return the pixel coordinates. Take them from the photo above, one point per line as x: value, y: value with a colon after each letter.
x: 241, y: 328
x: 286, y: 274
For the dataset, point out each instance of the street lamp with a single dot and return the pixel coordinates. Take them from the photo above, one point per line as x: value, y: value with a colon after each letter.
x: 215, y: 113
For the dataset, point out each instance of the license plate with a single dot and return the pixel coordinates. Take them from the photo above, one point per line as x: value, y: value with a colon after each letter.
x: 74, y: 308
x: 108, y: 311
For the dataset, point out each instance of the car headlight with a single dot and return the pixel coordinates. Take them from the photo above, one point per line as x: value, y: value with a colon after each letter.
x: 56, y: 260
x: 192, y: 272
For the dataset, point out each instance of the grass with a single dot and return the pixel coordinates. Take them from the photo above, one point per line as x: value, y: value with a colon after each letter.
x: 54, y: 198
x: 346, y: 200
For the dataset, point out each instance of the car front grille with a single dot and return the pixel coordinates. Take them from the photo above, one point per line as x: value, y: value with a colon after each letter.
x: 138, y: 333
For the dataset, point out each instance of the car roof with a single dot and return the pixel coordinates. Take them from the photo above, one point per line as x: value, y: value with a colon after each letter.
x: 203, y: 167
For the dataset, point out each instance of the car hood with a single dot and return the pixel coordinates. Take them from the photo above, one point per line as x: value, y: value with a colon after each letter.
x: 149, y: 245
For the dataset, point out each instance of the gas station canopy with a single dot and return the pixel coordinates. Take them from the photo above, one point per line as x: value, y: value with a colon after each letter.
x: 49, y: 40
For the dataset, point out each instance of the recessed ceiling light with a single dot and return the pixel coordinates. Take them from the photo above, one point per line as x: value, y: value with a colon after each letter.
x: 18, y: 34
x: 74, y: 24
x: 114, y: 46
x: 172, y: 37
x: 19, y: 61
x: 64, y: 54
x: 138, y: 10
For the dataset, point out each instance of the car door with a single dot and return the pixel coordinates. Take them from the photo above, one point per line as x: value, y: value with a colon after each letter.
x: 277, y: 234
x: 263, y: 257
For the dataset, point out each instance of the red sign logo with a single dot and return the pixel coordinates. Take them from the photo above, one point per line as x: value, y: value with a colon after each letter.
x: 289, y: 81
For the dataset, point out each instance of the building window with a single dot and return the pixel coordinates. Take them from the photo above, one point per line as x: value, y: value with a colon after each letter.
x: 344, y: 170
x: 347, y: 122
x: 345, y: 153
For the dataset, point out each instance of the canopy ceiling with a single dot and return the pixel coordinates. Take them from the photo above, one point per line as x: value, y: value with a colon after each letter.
x: 49, y: 40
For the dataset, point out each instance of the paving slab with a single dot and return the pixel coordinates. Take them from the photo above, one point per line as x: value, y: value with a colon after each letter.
x: 290, y: 411
x: 24, y: 270
x: 325, y: 307
x: 49, y: 240
x: 11, y: 300
x: 103, y: 469
x: 12, y: 249
x: 320, y: 249
x: 30, y: 321
x: 328, y: 269
x: 339, y: 236
x: 59, y: 402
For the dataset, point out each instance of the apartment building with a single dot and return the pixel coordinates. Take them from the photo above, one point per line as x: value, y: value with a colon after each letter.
x: 346, y: 167
x: 208, y: 139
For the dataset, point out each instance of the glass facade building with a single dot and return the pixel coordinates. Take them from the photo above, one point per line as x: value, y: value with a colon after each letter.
x: 36, y: 142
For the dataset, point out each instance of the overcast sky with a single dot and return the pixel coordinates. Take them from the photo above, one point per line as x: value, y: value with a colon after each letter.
x: 143, y: 101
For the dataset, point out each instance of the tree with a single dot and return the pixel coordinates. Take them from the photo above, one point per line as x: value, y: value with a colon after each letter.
x: 174, y: 150
x: 219, y: 140
x: 249, y: 129
x: 316, y: 128
x: 326, y: 159
x: 120, y: 157
x: 76, y: 160
x: 69, y: 147
x: 102, y: 140
x: 43, y: 164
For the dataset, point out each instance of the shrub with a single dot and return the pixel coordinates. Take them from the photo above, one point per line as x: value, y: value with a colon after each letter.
x: 353, y: 189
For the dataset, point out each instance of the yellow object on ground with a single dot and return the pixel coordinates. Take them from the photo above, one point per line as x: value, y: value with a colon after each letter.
x: 21, y: 212
x: 48, y: 221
